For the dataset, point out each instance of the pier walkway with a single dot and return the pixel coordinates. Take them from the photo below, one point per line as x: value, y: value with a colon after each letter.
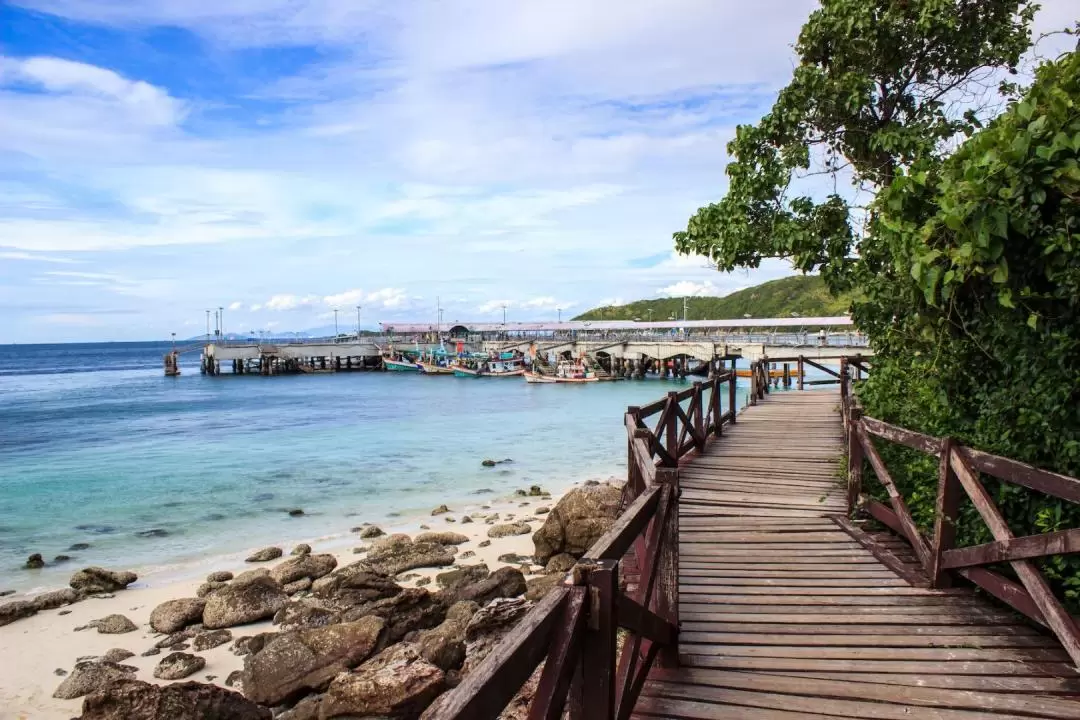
x: 784, y: 615
x: 735, y: 585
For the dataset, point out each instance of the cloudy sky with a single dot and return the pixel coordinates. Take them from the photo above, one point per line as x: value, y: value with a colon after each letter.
x: 281, y: 158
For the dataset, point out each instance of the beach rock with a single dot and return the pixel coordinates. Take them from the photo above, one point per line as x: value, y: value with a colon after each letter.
x: 306, y: 613
x: 34, y: 562
x: 396, y: 683
x: 535, y: 491
x: 449, y: 519
x: 303, y: 566
x: 442, y: 538
x: 296, y: 512
x: 371, y: 531
x: 248, y: 575
x: 56, y: 598
x: 301, y: 549
x: 304, y: 660
x: 578, y: 521
x: 117, y: 655
x: 487, y: 627
x: 211, y: 639
x: 425, y: 527
x: 483, y: 543
x: 297, y: 586
x: 409, y: 610
x: 151, y: 652
x: 208, y: 587
x: 466, y: 519
x: 76, y: 547
x: 264, y: 555
x: 518, y: 528
x: 488, y: 463
x: 176, y: 639
x: 243, y: 602
x: 467, y: 554
x: 503, y: 583
x: 62, y: 558
x: 137, y: 700
x: 423, y: 581
x: 234, y: 678
x: 441, y: 510
x: 173, y: 615
x: 391, y: 540
x: 251, y: 644
x: 560, y: 563
x: 542, y: 510
x: 464, y: 575
x: 399, y: 557
x: 306, y: 709
x: 114, y: 624
x: 520, y: 493
x: 60, y: 672
x: 219, y: 576
x: 355, y: 584
x: 98, y: 580
x: 87, y: 677
x: 153, y: 533
x: 444, y: 645
x: 5, y: 593
x: 540, y: 586
x: 178, y: 665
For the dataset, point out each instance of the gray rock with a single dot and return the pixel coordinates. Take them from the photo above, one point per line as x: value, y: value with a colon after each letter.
x: 423, y: 581
x: 560, y: 563
x: 56, y: 598
x: 487, y: 627
x: 298, y: 662
x: 264, y: 555
x: 371, y: 531
x: 535, y: 491
x: 114, y: 624
x: 173, y: 615
x: 399, y: 557
x: 466, y: 519
x: 301, y: 549
x: 540, y: 586
x: 251, y: 644
x: 297, y: 586
x: 355, y: 584
x: 210, y: 639
x: 243, y: 602
x: 578, y: 521
x: 508, y: 529
x: 87, y: 677
x: 248, y: 575
x: 397, y: 683
x: 543, y: 510
x: 306, y: 613
x: 177, y: 638
x: 62, y: 558
x: 442, y: 538
x: 136, y: 700
x: 219, y: 576
x: 503, y: 583
x: 34, y: 562
x: 303, y: 566
x: 98, y: 580
x: 208, y: 587
x: 306, y: 709
x: 178, y: 665
x: 151, y: 652
x: 465, y: 575
x: 467, y: 554
x: 409, y: 610
x: 235, y: 678
x: 441, y: 510
x: 117, y: 655
x: 483, y: 543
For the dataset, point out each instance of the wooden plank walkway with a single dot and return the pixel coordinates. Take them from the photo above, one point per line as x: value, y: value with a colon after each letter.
x: 784, y: 615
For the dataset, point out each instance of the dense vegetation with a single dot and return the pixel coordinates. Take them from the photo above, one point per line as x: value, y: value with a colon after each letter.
x: 963, y: 249
x: 804, y: 295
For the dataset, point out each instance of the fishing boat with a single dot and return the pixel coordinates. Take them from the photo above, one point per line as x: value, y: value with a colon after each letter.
x: 510, y: 367
x: 400, y: 364
x: 564, y: 373
x: 461, y: 370
x: 430, y: 368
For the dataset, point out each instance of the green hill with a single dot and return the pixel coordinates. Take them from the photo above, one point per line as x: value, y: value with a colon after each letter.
x: 802, y: 294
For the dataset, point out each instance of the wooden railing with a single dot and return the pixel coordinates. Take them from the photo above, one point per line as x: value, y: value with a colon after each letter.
x: 574, y: 629
x: 959, y: 470
x: 770, y: 372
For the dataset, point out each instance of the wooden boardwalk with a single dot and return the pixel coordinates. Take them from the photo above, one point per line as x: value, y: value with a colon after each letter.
x: 784, y: 615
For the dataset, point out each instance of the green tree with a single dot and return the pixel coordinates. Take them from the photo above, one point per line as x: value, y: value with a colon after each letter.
x: 880, y: 85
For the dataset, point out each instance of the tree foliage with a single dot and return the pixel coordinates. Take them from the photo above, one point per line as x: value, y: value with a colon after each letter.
x: 965, y: 255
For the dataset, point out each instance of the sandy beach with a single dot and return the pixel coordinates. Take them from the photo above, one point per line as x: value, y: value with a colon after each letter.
x: 35, y: 648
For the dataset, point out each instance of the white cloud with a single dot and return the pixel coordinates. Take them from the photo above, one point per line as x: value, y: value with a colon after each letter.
x: 236, y: 305
x: 494, y: 306
x: 686, y: 288
x: 343, y: 299
x: 290, y: 302
x: 19, y: 255
x: 611, y: 302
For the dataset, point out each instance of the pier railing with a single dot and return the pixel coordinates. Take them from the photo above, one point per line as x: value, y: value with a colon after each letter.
x: 1007, y: 567
x: 617, y: 612
x: 768, y: 372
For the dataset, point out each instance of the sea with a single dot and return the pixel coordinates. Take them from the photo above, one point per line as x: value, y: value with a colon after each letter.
x: 106, y: 460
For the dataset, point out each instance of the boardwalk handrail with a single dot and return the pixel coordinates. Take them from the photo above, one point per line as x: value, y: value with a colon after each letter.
x: 575, y: 627
x: 959, y: 470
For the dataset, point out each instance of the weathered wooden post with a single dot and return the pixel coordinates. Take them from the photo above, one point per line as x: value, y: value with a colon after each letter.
x: 855, y: 459
x: 753, y: 382
x: 787, y: 375
x: 699, y: 416
x: 949, y: 494
x: 593, y: 692
x: 714, y: 402
x: 732, y: 399
x: 667, y: 572
x: 671, y: 437
x: 800, y: 369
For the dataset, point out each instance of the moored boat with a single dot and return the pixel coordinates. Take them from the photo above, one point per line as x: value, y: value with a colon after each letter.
x: 428, y: 368
x: 565, y: 372
x: 401, y: 364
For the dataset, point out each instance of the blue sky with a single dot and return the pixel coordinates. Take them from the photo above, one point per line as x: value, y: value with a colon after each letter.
x: 282, y: 158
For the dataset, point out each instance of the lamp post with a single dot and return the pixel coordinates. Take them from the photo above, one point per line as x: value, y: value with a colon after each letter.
x: 221, y: 322
x: 559, y: 310
x: 207, y: 326
x: 357, y: 323
x: 335, y: 325
x: 504, y: 313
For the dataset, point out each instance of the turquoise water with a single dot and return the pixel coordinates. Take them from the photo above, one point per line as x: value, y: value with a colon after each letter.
x: 98, y: 447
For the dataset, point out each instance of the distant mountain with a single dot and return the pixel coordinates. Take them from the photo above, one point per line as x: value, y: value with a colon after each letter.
x: 805, y: 295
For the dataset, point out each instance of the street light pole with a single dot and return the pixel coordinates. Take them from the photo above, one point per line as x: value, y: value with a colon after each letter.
x: 357, y: 323
x: 207, y: 326
x: 335, y: 325
x: 221, y: 322
x: 559, y: 310
x: 504, y: 313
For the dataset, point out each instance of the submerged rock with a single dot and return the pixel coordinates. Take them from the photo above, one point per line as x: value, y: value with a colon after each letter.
x: 178, y: 665
x: 34, y: 562
x: 296, y: 512
x: 136, y: 700
x: 93, y: 580
x: 297, y: 662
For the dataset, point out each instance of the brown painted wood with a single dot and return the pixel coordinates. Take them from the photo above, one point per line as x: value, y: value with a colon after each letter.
x: 595, y: 692
x: 949, y: 494
x: 642, y: 621
x: 554, y: 684
x: 883, y: 554
x: 1062, y: 542
x: 1060, y: 486
x: 918, y: 441
x: 614, y: 543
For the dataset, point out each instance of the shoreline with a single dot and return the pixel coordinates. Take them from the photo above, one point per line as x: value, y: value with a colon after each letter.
x: 46, y: 642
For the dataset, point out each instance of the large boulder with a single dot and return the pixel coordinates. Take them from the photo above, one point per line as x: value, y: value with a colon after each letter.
x: 411, y: 609
x: 578, y: 521
x: 243, y: 602
x: 391, y: 558
x: 442, y: 538
x: 173, y: 615
x: 297, y: 662
x: 310, y: 612
x: 354, y: 584
x: 179, y: 665
x: 503, y: 583
x: 487, y: 627
x: 135, y: 700
x: 509, y: 529
x: 16, y: 610
x: 56, y: 598
x: 87, y: 677
x: 99, y: 580
x: 464, y: 575
x: 303, y: 566
x: 396, y: 683
x: 444, y: 646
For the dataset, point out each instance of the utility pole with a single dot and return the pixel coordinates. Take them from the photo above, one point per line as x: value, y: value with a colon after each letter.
x: 650, y: 314
x: 504, y: 313
x: 335, y: 325
x: 685, y: 303
x: 207, y: 326
x: 357, y: 323
x: 221, y: 322
x: 559, y: 310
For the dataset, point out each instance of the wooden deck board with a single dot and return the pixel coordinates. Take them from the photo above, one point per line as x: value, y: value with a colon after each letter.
x: 783, y: 615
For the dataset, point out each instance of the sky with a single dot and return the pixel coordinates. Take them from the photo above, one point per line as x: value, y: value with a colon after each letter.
x: 284, y: 158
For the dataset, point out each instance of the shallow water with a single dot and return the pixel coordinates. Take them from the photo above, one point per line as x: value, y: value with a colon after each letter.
x: 98, y: 447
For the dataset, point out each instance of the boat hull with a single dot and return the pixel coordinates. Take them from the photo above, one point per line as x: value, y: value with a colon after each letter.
x: 547, y: 379
x: 429, y: 369
x: 465, y: 372
x: 398, y: 366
